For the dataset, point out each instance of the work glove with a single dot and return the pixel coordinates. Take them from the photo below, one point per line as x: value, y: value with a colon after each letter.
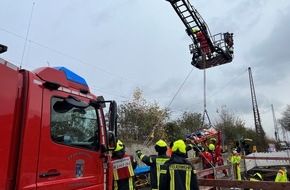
x: 138, y: 153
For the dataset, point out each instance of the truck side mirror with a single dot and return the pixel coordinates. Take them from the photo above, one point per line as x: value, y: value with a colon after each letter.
x: 113, y: 117
x: 112, y: 140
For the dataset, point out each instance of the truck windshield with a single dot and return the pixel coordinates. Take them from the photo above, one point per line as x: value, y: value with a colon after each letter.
x: 74, y: 126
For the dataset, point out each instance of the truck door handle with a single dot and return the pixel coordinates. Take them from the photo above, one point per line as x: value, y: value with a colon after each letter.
x: 49, y: 173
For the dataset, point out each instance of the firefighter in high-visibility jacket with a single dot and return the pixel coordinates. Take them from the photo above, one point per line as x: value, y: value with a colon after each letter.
x: 123, y: 168
x: 256, y: 177
x: 155, y: 162
x: 281, y: 175
x: 235, y: 158
x: 178, y: 173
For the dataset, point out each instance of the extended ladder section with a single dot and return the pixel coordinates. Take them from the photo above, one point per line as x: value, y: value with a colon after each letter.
x: 208, y: 51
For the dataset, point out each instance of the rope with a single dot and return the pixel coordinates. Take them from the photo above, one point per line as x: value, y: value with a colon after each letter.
x: 150, y: 138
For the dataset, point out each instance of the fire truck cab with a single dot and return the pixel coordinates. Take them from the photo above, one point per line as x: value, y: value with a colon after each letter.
x: 53, y: 131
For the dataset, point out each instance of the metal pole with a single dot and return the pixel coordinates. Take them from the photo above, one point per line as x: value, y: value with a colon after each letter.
x: 204, y: 82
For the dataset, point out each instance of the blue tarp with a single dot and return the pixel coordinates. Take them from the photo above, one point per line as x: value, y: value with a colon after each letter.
x: 142, y: 169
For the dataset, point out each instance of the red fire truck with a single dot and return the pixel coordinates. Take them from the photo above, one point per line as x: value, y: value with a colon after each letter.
x: 53, y: 131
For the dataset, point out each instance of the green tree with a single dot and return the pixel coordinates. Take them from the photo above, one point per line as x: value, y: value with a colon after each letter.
x: 173, y: 131
x: 137, y: 119
x: 233, y: 128
x: 189, y: 122
x: 285, y: 120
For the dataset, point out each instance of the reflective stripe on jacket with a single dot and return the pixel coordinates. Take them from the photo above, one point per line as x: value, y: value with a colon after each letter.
x: 178, y: 174
x: 155, y: 163
x: 122, y: 168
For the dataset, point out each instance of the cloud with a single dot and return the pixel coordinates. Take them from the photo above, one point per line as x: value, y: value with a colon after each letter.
x: 121, y: 45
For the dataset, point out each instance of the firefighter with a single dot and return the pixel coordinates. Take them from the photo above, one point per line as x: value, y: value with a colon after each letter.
x: 235, y: 158
x: 256, y: 177
x: 281, y: 175
x: 188, y: 147
x: 155, y: 162
x: 218, y: 151
x: 202, y: 41
x: 123, y: 168
x: 178, y: 173
x: 229, y: 41
x: 208, y: 159
x: 237, y: 147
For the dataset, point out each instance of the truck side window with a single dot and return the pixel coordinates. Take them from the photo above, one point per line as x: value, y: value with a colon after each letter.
x: 74, y: 126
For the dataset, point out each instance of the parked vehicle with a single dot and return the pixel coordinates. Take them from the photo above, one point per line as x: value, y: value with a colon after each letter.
x: 53, y: 131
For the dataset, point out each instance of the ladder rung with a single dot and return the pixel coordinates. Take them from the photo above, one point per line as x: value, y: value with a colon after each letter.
x: 180, y: 5
x: 187, y: 16
x: 191, y: 22
x: 184, y: 11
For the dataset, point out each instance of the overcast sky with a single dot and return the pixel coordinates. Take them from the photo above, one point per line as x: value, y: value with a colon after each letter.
x: 119, y: 45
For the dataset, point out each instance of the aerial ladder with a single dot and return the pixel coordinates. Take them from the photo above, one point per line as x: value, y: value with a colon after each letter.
x: 219, y: 46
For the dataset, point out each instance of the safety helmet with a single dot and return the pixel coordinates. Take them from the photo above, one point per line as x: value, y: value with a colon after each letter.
x: 119, y: 146
x: 212, y: 139
x: 195, y: 29
x: 179, y: 146
x: 161, y: 143
x: 258, y: 175
x: 161, y: 147
x: 198, y: 133
x: 211, y: 146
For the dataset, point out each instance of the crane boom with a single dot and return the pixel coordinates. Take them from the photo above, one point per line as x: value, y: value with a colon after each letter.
x: 220, y: 46
x: 259, y: 129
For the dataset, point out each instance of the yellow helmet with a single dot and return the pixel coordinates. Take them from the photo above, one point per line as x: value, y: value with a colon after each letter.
x: 211, y: 146
x: 195, y: 29
x: 258, y: 175
x: 119, y: 146
x: 161, y: 143
x: 180, y: 146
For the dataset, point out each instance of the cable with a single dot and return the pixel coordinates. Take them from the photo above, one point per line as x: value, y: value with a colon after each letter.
x: 148, y: 140
x: 210, y: 96
x: 179, y: 88
x: 68, y: 56
x: 228, y: 84
x: 27, y: 33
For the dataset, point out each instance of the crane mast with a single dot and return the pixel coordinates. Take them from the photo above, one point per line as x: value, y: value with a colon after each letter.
x: 259, y: 129
x: 219, y: 46
x: 277, y: 138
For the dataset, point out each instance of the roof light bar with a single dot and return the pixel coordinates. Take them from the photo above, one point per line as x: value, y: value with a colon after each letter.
x: 72, y: 76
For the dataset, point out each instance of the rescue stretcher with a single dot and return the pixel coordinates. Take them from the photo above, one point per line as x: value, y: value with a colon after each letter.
x: 142, y: 179
x: 196, y: 138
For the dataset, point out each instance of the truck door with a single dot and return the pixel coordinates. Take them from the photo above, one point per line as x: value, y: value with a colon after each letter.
x: 69, y: 155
